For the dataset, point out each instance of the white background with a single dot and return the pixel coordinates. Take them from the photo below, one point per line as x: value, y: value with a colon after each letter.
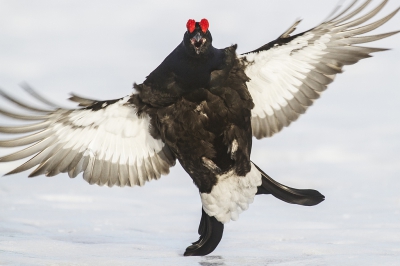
x: 347, y: 145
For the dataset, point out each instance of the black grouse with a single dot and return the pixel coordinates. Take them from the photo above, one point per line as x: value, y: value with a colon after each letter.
x: 200, y: 106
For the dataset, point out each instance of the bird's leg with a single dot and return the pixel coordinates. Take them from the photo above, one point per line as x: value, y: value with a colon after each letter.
x: 210, y: 231
x: 306, y: 197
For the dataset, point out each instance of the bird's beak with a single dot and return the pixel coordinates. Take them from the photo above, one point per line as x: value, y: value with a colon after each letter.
x: 197, y: 42
x: 197, y: 37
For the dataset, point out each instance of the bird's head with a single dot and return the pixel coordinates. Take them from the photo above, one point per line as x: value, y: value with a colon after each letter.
x: 197, y: 39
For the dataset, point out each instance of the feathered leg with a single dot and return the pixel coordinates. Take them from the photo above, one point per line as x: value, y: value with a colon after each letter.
x: 210, y: 231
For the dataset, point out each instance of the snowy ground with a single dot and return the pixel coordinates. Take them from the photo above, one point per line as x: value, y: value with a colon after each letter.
x: 346, y: 146
x: 62, y: 222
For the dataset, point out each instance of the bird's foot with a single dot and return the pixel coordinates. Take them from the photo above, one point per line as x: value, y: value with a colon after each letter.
x: 210, y: 231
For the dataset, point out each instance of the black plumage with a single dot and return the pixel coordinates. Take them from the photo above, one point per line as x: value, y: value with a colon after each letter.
x: 200, y: 106
x: 210, y: 108
x: 204, y: 115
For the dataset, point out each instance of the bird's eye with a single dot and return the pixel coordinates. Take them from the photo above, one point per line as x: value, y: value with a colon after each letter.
x: 191, y: 25
x: 204, y: 25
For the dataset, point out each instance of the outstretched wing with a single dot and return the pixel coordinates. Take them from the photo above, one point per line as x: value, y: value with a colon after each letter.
x: 106, y: 140
x: 288, y: 74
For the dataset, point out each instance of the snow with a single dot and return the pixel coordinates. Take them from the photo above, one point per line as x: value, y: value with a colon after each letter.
x: 67, y: 222
x: 346, y: 146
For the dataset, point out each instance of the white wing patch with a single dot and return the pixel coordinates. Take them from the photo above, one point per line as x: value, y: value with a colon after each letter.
x: 231, y: 195
x: 111, y: 145
x: 280, y: 77
x: 287, y: 77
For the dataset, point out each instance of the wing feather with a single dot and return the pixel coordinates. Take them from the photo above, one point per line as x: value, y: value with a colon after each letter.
x: 288, y: 74
x: 107, y: 141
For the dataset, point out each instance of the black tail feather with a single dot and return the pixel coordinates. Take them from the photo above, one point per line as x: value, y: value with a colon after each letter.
x: 306, y: 197
x: 210, y: 231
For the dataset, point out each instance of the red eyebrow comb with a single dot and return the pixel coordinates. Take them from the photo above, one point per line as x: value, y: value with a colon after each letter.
x: 204, y: 25
x: 191, y: 25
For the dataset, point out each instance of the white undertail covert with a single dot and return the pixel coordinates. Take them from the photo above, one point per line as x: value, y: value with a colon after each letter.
x: 231, y: 195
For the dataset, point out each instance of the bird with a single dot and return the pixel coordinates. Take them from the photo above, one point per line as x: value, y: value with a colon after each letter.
x: 201, y: 106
